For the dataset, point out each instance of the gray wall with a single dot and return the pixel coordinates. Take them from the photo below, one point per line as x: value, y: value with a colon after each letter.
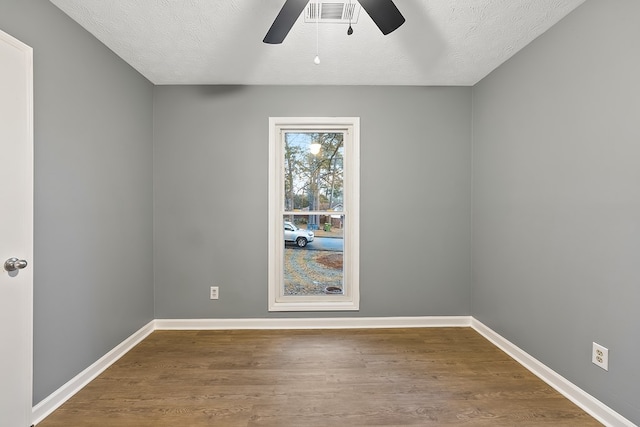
x: 210, y: 177
x: 557, y: 199
x: 93, y: 194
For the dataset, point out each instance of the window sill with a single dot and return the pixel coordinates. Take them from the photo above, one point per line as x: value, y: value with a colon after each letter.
x: 314, y: 306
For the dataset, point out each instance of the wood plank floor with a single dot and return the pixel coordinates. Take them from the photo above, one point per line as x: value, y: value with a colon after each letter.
x: 366, y: 377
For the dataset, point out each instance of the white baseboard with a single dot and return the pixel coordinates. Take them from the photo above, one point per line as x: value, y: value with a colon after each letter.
x: 75, y: 384
x: 588, y: 403
x: 314, y: 323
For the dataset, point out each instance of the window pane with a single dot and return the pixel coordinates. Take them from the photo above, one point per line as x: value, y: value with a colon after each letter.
x: 313, y: 172
x: 313, y: 259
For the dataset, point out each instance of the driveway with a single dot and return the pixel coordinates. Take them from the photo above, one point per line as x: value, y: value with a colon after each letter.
x: 310, y: 272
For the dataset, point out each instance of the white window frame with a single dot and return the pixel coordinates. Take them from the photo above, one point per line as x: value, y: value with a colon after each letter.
x: 350, y: 299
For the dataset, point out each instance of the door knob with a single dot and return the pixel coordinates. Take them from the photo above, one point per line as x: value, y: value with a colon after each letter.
x: 13, y: 264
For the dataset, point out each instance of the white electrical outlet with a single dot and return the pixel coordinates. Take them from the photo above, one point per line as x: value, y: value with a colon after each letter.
x: 213, y: 293
x: 600, y: 356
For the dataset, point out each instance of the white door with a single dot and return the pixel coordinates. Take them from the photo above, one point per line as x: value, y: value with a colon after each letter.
x: 16, y: 232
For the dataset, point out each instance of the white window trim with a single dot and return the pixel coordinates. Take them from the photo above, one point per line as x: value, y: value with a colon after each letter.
x: 351, y: 298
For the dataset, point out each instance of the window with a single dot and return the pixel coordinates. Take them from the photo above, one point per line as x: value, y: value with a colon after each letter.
x: 314, y: 213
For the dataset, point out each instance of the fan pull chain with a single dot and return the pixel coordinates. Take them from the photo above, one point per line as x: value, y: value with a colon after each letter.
x: 316, y: 60
x: 350, y: 29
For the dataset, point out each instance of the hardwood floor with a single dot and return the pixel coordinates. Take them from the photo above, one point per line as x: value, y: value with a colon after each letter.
x: 311, y: 378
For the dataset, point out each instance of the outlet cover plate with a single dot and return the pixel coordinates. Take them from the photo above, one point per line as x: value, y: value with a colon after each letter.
x: 600, y: 356
x: 214, y: 293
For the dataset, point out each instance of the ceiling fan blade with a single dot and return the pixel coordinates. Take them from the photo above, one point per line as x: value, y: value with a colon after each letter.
x: 384, y: 13
x: 288, y: 15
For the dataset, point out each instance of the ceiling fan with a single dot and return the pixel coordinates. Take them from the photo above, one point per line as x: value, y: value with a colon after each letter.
x: 384, y: 14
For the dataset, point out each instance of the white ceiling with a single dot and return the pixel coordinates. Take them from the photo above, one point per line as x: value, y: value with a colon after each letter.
x: 443, y: 42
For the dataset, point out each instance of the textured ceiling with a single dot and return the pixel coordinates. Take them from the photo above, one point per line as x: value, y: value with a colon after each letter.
x: 443, y: 42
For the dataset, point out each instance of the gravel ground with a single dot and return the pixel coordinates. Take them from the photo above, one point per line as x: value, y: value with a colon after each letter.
x: 307, y: 272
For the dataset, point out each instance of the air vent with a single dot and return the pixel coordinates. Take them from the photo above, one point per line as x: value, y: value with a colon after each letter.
x: 332, y: 12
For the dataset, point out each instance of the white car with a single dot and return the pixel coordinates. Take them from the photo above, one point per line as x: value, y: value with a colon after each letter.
x: 297, y: 235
